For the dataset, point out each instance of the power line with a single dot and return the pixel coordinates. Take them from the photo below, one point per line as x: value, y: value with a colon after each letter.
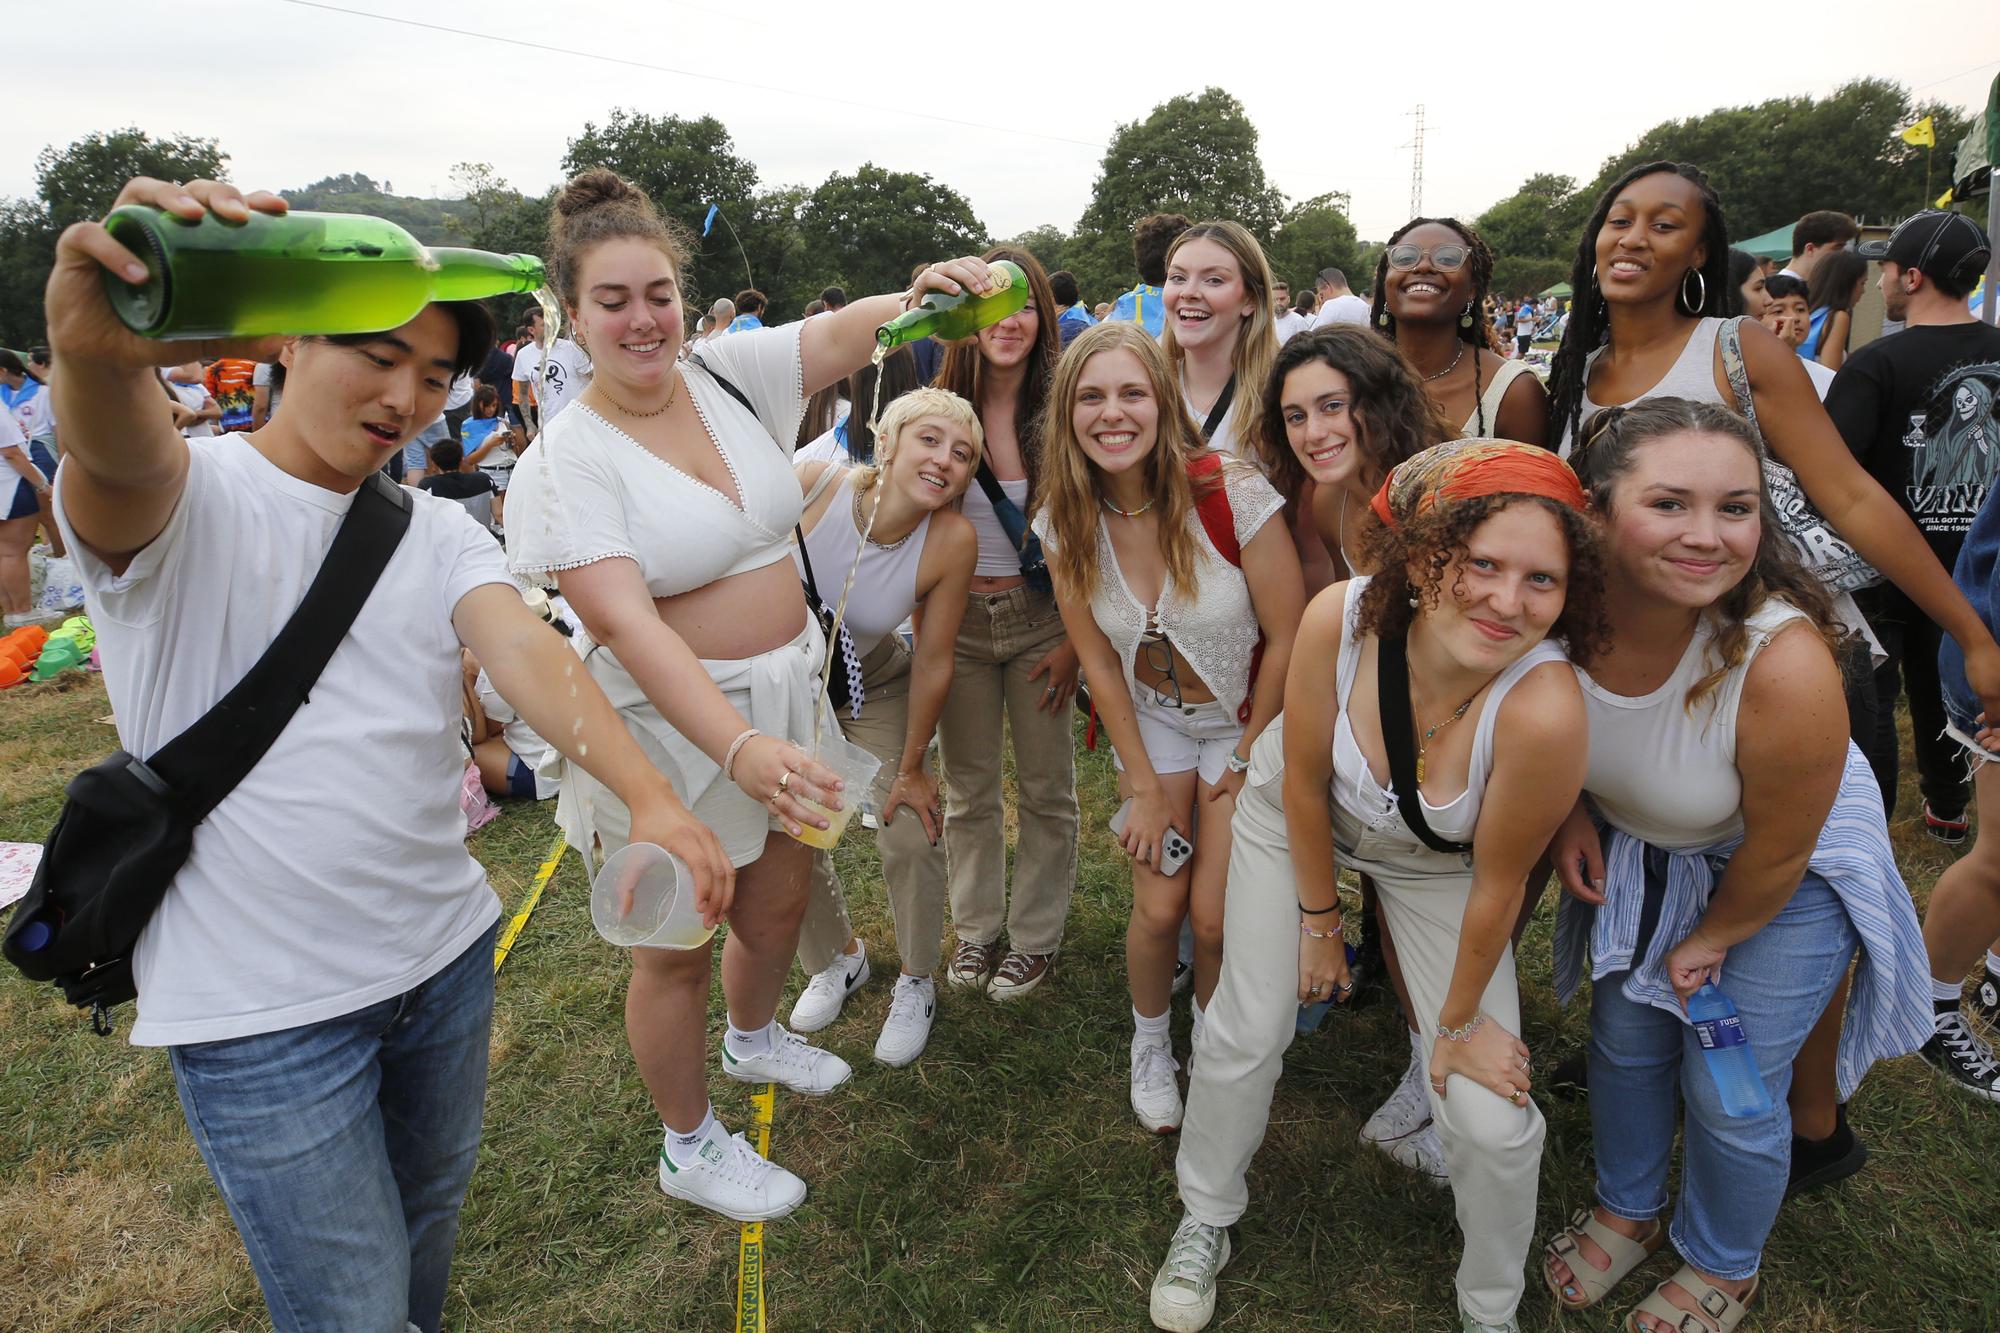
x: 1984, y: 64
x: 1417, y: 167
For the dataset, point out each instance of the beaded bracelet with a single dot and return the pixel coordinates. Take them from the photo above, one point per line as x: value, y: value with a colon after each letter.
x: 1333, y: 934
x: 735, y: 746
x: 1464, y: 1033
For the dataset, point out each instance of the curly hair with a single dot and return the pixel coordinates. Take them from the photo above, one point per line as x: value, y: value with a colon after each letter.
x: 1610, y: 445
x: 1397, y: 418
x: 1070, y: 494
x: 1437, y: 542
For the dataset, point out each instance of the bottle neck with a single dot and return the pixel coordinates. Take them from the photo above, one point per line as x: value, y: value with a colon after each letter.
x: 472, y: 275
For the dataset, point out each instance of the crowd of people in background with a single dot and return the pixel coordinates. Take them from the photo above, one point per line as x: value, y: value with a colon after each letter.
x: 1354, y: 583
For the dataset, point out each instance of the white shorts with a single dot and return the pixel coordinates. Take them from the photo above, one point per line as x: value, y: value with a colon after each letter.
x: 1193, y: 736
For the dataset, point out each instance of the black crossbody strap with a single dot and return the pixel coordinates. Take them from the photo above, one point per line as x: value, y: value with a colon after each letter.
x: 1399, y: 739
x: 1220, y: 410
x: 205, y: 763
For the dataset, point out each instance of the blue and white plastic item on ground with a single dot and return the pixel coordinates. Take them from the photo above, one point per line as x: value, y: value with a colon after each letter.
x: 1725, y: 1049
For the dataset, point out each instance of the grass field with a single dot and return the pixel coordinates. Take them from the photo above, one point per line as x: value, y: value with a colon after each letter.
x: 999, y: 1183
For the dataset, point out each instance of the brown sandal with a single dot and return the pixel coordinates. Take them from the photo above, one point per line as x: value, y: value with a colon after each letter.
x: 1717, y: 1305
x: 1593, y: 1282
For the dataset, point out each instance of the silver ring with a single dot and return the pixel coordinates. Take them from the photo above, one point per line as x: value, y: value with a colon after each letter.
x: 1312, y: 990
x: 1346, y: 986
x: 1523, y: 1064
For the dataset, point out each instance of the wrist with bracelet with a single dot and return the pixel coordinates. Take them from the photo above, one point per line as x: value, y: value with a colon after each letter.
x: 736, y: 748
x: 1337, y: 931
x: 1237, y: 763
x: 1464, y: 1032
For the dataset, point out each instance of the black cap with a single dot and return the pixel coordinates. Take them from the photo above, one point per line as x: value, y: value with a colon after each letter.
x: 1937, y: 243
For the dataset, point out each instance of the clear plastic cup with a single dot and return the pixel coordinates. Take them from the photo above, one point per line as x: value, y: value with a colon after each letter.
x: 857, y: 768
x: 643, y: 898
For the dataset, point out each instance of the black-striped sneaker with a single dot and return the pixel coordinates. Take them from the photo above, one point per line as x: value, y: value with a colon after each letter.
x: 1961, y: 1056
x: 1950, y: 832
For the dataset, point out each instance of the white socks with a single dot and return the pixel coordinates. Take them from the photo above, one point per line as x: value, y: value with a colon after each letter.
x: 1151, y: 1030
x: 743, y: 1045
x: 1946, y: 992
x: 1194, y: 1038
x: 1992, y: 963
x: 682, y: 1148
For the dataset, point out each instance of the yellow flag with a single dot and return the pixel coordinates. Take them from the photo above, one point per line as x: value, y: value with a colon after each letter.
x: 1923, y: 134
x: 1944, y: 200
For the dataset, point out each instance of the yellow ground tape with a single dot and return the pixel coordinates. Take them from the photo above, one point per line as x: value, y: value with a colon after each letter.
x: 542, y: 878
x: 750, y: 1249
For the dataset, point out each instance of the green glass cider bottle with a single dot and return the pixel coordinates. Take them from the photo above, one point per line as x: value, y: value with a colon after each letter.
x: 960, y: 316
x: 295, y: 273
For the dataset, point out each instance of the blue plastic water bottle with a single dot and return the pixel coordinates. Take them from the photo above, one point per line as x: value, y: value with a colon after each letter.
x: 1725, y: 1047
x: 1312, y: 1015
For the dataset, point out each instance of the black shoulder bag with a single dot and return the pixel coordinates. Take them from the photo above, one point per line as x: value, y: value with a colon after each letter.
x: 1027, y: 546
x: 1399, y: 739
x: 1219, y: 411
x: 127, y: 825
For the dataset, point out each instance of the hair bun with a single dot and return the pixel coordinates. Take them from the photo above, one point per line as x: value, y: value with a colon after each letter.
x: 596, y: 188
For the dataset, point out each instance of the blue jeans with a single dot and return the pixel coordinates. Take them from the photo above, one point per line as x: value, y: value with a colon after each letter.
x: 343, y: 1148
x: 1735, y: 1170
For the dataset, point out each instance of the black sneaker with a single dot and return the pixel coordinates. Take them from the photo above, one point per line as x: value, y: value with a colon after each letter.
x: 1962, y: 1057
x: 1817, y: 1162
x: 1950, y: 832
x: 1986, y: 999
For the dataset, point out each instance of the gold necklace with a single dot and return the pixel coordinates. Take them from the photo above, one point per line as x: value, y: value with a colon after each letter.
x: 1425, y: 743
x: 672, y: 390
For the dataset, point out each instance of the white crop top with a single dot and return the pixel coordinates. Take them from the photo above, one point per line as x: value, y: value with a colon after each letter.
x: 586, y: 491
x: 1213, y: 624
x: 1666, y: 775
x: 997, y: 557
x: 885, y: 577
x: 1359, y: 798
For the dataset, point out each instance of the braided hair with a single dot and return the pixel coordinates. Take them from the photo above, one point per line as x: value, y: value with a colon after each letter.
x: 1590, y: 317
x: 1479, y: 261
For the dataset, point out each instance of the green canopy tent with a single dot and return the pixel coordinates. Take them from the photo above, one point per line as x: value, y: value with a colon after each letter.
x: 1561, y: 289
x: 1773, y: 244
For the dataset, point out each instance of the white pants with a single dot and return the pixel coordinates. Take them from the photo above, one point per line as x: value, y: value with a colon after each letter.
x: 1494, y: 1148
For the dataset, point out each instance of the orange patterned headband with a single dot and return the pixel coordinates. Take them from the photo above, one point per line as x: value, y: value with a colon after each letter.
x: 1462, y: 469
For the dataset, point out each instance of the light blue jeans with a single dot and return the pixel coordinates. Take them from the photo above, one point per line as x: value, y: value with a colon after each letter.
x: 1734, y: 1171
x: 343, y: 1148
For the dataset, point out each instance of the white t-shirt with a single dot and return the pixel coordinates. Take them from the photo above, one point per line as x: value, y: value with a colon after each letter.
x: 336, y: 874
x: 569, y: 372
x: 1821, y: 377
x: 460, y: 392
x: 520, y: 738
x: 1348, y: 309
x: 194, y: 397
x: 264, y: 379
x: 1289, y: 323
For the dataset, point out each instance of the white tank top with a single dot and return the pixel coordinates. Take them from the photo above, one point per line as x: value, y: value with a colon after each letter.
x: 1691, y: 376
x: 1368, y: 825
x: 1487, y: 410
x: 1666, y: 775
x: 997, y: 557
x: 885, y: 586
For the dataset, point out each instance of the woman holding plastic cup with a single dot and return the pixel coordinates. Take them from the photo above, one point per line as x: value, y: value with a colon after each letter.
x: 664, y: 507
x: 918, y: 558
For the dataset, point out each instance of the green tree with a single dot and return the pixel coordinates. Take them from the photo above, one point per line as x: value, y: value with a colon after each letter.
x: 1048, y: 243
x: 1533, y: 233
x: 1194, y: 154
x: 82, y: 180
x: 684, y: 165
x: 1779, y: 159
x: 1315, y: 234
x: 867, y: 230
x: 27, y: 249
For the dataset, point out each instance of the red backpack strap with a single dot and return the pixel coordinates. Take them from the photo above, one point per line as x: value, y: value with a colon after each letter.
x: 1213, y: 506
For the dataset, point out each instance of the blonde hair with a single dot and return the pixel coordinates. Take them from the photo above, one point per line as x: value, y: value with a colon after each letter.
x: 924, y: 402
x: 1070, y: 495
x: 1257, y: 336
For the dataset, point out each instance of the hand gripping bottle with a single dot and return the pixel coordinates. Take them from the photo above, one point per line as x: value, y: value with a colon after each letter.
x: 1725, y: 1048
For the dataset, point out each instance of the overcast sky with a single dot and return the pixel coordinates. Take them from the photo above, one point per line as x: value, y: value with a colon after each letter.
x: 1018, y: 116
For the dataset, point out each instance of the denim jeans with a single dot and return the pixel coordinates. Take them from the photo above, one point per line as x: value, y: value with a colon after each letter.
x: 343, y: 1148
x: 1735, y: 1170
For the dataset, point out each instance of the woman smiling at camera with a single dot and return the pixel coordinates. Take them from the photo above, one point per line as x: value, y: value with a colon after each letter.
x: 1182, y: 598
x: 1429, y: 715
x: 664, y: 505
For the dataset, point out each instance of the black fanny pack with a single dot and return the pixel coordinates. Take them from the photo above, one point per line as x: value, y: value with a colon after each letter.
x: 127, y: 825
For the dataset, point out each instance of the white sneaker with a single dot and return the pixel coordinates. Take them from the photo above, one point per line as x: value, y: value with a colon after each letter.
x: 728, y: 1177
x: 820, y: 1002
x: 1406, y: 1111
x: 1156, y: 1097
x: 908, y: 1027
x: 1423, y: 1153
x: 1184, y: 1288
x: 790, y: 1061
